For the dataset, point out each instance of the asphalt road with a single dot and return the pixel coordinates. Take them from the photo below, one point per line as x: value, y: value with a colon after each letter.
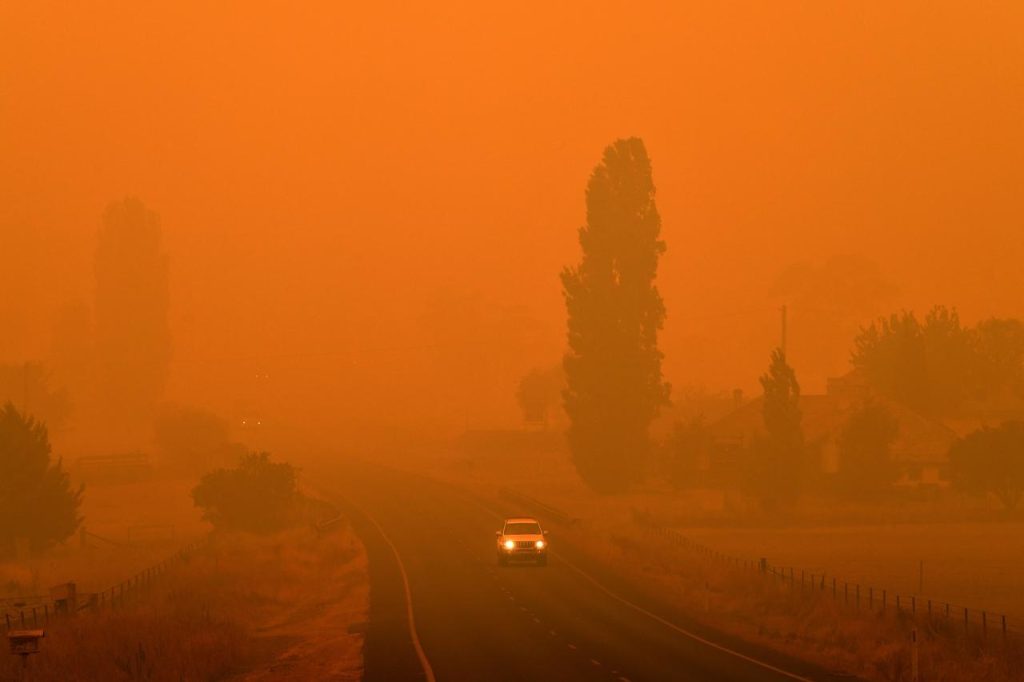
x: 473, y: 620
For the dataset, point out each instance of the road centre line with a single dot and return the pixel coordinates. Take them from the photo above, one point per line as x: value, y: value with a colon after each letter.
x: 653, y: 616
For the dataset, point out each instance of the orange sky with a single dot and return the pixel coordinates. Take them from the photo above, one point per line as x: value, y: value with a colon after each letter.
x: 327, y: 175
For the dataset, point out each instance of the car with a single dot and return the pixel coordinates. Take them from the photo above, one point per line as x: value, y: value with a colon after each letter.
x: 522, y: 539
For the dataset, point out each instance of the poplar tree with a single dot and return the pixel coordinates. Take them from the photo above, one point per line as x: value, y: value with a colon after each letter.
x: 613, y: 365
x: 132, y: 332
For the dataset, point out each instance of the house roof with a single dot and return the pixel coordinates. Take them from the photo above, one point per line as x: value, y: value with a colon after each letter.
x: 920, y: 438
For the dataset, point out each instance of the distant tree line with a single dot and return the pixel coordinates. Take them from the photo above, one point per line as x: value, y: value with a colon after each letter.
x: 937, y: 365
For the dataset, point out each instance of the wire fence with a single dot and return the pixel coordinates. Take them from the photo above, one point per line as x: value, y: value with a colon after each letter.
x: 856, y: 596
x: 36, y: 611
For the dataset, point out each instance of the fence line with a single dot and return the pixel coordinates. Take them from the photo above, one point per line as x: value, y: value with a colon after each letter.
x: 853, y: 595
x: 45, y: 608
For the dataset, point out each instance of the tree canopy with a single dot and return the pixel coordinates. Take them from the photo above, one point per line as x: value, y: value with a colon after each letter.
x: 40, y: 507
x: 132, y: 331
x: 991, y: 460
x: 257, y: 496
x: 613, y: 366
x: 28, y: 385
x: 936, y: 365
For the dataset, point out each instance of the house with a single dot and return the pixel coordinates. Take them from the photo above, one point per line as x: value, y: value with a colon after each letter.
x: 920, y: 450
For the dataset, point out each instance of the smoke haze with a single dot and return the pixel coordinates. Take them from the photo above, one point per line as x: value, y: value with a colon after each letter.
x: 365, y: 208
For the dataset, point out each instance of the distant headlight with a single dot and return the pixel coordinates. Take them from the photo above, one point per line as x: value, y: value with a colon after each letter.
x: 540, y: 544
x: 509, y: 544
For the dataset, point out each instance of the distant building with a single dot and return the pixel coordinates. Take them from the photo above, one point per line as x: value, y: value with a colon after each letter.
x: 920, y: 451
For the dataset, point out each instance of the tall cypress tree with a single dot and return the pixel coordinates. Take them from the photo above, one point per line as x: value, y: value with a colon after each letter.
x: 781, y: 409
x: 779, y: 459
x: 133, y: 341
x: 613, y: 366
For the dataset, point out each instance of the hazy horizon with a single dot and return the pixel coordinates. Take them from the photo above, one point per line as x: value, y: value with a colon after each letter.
x: 344, y: 182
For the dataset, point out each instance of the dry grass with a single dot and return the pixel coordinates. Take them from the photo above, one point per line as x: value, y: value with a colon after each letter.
x: 145, y: 520
x: 806, y: 624
x: 236, y: 609
x: 747, y: 604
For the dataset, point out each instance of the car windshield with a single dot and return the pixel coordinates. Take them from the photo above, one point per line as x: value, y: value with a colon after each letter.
x: 522, y: 529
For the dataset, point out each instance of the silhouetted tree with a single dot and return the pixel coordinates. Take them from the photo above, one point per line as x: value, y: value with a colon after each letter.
x: 991, y: 460
x: 39, y: 505
x: 865, y: 443
x: 613, y: 367
x: 258, y: 496
x: 781, y: 409
x: 930, y: 367
x: 132, y: 334
x: 28, y: 385
x: 540, y: 391
x: 779, y: 457
x: 999, y: 347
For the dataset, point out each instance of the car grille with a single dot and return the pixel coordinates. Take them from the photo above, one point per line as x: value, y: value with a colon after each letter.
x: 525, y: 544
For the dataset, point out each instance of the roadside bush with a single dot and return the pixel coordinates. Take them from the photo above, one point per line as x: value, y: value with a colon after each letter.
x: 257, y: 496
x: 40, y: 507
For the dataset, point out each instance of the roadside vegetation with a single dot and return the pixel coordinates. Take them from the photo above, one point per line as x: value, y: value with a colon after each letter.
x: 40, y: 504
x: 238, y: 608
x: 966, y: 563
x: 271, y: 589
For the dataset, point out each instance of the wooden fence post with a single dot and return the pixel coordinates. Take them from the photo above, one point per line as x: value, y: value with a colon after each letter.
x: 913, y: 656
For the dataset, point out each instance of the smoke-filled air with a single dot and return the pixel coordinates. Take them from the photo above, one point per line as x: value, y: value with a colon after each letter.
x: 458, y: 341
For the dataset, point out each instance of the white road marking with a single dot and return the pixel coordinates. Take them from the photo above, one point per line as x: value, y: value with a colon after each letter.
x: 424, y: 662
x: 594, y: 661
x: 653, y: 616
x: 571, y: 646
x: 678, y: 629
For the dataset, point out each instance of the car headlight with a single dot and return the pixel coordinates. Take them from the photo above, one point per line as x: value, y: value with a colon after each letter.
x: 509, y: 544
x: 540, y: 544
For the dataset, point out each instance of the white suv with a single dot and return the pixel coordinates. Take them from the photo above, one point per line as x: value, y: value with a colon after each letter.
x: 522, y: 539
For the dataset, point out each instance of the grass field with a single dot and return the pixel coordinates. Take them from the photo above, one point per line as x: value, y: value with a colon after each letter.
x: 130, y: 526
x: 978, y: 564
x: 970, y: 564
x: 243, y: 608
